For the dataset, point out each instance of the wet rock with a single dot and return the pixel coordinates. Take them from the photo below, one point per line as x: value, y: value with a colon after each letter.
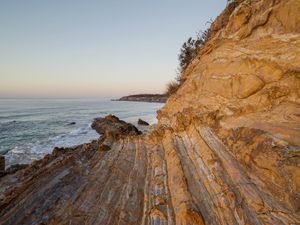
x: 72, y: 123
x: 112, y: 124
x: 14, y: 168
x: 104, y: 147
x: 142, y: 122
x: 2, y: 163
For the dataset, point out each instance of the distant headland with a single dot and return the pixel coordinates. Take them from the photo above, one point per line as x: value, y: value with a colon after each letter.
x: 161, y: 98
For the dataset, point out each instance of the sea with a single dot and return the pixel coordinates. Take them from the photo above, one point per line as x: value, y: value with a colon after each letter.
x: 31, y: 128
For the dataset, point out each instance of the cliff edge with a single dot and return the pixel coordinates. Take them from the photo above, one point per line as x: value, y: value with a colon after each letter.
x: 226, y: 149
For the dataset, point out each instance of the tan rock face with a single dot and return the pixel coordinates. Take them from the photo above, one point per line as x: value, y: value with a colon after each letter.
x: 245, y: 85
x: 248, y: 78
x: 226, y: 149
x: 250, y: 59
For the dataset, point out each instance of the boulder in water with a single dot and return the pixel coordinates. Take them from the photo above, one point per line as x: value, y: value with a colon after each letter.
x: 2, y: 163
x: 112, y: 124
x: 142, y: 122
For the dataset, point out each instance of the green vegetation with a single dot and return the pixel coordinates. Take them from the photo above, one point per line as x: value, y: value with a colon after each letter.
x: 188, y: 53
x: 190, y: 49
x: 172, y: 87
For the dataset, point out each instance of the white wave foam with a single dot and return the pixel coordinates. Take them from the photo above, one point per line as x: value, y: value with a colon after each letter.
x: 33, y: 151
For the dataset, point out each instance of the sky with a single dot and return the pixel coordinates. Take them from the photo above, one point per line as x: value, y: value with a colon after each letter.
x: 95, y: 48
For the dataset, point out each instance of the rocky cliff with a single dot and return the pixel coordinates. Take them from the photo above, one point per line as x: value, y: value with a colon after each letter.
x: 226, y: 149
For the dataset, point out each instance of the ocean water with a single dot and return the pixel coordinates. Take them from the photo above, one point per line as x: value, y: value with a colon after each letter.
x: 31, y: 128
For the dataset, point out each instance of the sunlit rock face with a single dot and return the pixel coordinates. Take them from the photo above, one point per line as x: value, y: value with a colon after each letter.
x: 226, y: 149
x: 244, y: 90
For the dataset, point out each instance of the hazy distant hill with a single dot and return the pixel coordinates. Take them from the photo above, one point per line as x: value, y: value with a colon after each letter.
x: 145, y: 98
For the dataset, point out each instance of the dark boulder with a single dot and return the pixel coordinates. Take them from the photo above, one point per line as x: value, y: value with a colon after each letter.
x: 113, y: 125
x: 14, y: 168
x: 142, y: 122
x: 2, y: 163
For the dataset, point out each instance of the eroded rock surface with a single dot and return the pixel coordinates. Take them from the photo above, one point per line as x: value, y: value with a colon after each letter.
x: 226, y: 149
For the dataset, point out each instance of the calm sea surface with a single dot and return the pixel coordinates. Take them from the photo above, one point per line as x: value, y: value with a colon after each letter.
x: 31, y: 128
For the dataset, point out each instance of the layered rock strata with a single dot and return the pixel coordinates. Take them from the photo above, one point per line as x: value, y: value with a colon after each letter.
x: 226, y: 149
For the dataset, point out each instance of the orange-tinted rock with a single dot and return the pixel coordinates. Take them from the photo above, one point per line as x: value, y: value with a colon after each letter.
x: 245, y: 85
x: 226, y: 149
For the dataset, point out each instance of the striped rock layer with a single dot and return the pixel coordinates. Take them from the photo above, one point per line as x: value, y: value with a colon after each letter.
x: 226, y: 149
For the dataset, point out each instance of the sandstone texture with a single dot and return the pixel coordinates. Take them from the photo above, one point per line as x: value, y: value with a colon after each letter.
x: 226, y: 150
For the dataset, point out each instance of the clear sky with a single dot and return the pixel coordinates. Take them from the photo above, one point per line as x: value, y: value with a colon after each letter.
x: 95, y: 48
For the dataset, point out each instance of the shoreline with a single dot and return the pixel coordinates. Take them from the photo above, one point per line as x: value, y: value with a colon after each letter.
x: 60, y: 131
x: 8, y: 168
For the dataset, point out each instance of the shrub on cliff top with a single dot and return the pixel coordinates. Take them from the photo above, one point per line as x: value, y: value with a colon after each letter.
x: 188, y: 52
x: 190, y: 49
x: 172, y: 87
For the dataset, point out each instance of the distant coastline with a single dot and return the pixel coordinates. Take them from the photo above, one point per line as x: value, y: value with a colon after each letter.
x: 161, y: 98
